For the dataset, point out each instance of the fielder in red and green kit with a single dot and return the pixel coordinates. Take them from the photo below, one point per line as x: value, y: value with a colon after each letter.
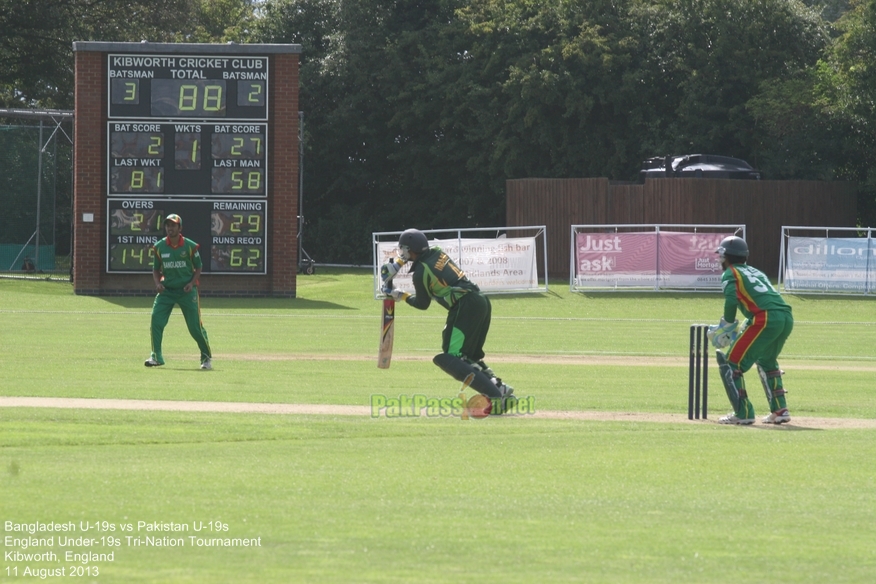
x: 759, y: 343
x: 175, y: 270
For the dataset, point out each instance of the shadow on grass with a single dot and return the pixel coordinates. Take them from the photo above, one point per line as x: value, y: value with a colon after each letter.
x: 785, y: 428
x: 650, y: 294
x: 521, y: 295
x: 145, y: 303
x: 814, y: 297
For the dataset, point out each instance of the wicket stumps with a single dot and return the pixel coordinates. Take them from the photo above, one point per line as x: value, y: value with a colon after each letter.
x: 698, y: 374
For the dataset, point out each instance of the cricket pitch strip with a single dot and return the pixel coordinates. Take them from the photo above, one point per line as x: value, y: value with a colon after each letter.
x: 797, y: 423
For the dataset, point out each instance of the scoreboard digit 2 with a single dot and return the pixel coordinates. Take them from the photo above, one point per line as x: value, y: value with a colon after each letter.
x: 188, y: 134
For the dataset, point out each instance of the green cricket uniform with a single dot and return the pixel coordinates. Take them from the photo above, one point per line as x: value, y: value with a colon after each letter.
x: 468, y: 309
x: 177, y: 262
x: 771, y: 322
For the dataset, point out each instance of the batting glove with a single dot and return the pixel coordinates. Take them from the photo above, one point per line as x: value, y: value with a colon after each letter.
x: 723, y: 334
x: 399, y: 295
x: 390, y: 269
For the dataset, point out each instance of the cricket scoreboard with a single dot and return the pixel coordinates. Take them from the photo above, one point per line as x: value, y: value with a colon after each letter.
x: 188, y: 134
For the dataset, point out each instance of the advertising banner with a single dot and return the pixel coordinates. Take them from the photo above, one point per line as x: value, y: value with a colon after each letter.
x: 688, y: 260
x: 654, y: 259
x: 830, y: 264
x: 613, y: 260
x: 503, y: 264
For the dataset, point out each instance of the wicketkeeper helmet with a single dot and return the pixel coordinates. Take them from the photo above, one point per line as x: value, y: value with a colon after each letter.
x: 412, y: 240
x: 734, y: 246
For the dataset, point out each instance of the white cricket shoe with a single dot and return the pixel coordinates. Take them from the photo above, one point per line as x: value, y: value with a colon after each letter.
x: 207, y: 364
x: 152, y: 362
x: 732, y: 419
x: 779, y: 417
x: 505, y: 389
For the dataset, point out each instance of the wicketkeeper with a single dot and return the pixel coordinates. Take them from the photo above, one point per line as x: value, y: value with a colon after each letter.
x: 437, y: 277
x: 769, y: 323
x: 175, y: 271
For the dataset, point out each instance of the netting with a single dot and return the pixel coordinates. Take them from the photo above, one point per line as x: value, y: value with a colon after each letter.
x: 36, y: 157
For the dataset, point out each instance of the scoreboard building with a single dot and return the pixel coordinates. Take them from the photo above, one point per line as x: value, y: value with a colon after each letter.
x: 209, y: 132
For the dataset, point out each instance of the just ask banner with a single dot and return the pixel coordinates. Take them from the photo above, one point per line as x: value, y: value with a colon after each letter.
x: 830, y: 264
x: 503, y: 264
x: 653, y: 259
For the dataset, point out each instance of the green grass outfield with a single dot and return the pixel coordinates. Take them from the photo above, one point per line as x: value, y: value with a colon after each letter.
x: 344, y: 497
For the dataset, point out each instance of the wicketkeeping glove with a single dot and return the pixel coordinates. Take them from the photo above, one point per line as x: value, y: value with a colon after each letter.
x: 390, y: 269
x: 723, y: 334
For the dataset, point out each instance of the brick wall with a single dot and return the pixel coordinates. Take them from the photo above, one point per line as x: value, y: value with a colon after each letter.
x: 283, y: 245
x: 89, y: 182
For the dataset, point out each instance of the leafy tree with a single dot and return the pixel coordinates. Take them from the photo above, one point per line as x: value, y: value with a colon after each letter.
x: 36, y: 37
x: 830, y: 10
x: 220, y: 21
x: 559, y: 88
x: 710, y: 58
x: 848, y: 93
x: 821, y: 122
x: 795, y: 138
x: 550, y: 95
x: 419, y: 111
x: 369, y: 165
x: 36, y: 70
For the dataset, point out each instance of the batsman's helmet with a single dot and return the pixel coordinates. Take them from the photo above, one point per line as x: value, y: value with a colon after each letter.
x: 412, y: 240
x: 734, y: 246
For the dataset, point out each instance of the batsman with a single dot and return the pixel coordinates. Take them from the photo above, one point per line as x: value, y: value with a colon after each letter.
x: 437, y: 277
x: 769, y: 323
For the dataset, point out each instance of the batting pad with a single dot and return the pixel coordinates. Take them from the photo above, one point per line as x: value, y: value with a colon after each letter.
x: 459, y: 370
x: 765, y: 382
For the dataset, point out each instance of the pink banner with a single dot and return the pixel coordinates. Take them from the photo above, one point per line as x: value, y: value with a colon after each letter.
x: 688, y: 260
x: 650, y: 259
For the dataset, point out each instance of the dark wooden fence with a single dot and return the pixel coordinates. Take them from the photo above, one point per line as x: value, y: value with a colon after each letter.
x: 762, y: 206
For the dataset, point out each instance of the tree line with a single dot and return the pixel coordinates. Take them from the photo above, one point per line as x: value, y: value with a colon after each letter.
x: 418, y: 111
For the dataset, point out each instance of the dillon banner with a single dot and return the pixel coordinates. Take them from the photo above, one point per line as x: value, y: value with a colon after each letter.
x: 653, y: 259
x: 831, y: 264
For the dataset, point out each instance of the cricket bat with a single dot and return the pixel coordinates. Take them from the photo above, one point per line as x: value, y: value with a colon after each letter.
x: 387, y: 331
